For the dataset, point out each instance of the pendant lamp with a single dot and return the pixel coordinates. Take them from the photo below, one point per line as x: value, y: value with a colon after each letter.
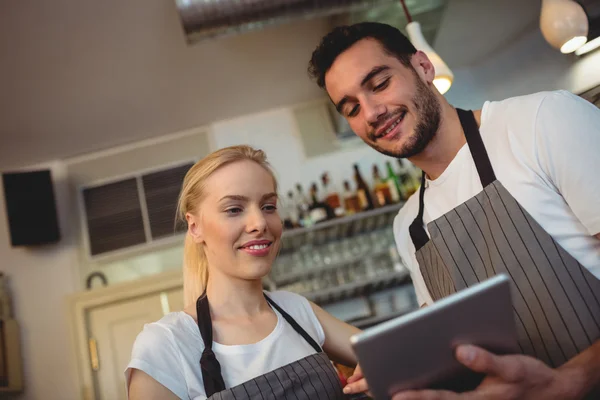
x: 564, y: 24
x: 443, y: 75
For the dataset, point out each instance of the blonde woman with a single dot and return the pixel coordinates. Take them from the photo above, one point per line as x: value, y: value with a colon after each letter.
x: 234, y: 341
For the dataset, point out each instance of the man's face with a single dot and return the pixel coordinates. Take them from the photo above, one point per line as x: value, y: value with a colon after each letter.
x: 390, y: 106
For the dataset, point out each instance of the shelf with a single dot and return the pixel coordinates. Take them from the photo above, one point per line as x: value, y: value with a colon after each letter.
x: 294, y: 276
x: 324, y: 232
x: 364, y: 323
x: 344, y: 220
x: 355, y: 289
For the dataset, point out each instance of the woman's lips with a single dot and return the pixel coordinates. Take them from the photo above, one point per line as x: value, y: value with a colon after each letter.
x: 258, y: 250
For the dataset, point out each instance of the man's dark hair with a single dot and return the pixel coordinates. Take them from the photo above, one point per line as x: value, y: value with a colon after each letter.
x: 341, y: 38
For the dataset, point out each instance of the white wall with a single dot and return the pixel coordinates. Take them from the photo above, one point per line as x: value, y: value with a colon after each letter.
x: 529, y: 65
x: 276, y: 133
x: 39, y: 280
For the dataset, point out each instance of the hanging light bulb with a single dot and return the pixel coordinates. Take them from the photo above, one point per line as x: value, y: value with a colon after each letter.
x: 564, y: 24
x: 443, y: 75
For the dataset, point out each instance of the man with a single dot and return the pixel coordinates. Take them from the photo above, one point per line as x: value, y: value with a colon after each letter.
x: 511, y: 188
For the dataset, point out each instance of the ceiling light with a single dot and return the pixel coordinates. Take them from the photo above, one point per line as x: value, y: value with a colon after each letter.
x: 443, y: 75
x: 589, y: 46
x: 564, y: 24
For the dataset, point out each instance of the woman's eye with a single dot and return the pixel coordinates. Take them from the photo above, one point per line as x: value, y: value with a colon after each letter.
x: 382, y: 85
x: 270, y: 207
x: 233, y: 210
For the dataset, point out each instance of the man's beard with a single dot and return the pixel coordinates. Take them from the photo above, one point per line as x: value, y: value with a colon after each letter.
x: 428, y: 116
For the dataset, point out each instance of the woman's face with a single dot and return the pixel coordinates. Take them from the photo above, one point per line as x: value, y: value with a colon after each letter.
x: 237, y: 221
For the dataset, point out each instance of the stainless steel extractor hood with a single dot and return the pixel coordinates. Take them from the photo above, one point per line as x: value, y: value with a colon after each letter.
x: 203, y: 19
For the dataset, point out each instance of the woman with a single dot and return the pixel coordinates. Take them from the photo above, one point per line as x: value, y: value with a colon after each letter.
x: 233, y: 340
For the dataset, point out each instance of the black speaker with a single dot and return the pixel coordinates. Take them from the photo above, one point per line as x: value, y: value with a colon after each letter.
x: 31, y: 208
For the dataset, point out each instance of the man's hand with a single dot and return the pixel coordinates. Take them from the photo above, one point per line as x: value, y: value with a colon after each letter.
x: 508, y: 377
x: 356, y: 383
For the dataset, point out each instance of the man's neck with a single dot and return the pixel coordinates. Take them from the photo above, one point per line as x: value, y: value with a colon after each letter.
x: 448, y: 140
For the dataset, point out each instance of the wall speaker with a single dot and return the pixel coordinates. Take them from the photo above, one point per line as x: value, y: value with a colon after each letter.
x: 31, y: 208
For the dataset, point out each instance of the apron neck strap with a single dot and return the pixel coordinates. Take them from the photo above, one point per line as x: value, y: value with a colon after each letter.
x: 482, y: 163
x: 209, y: 365
x: 478, y: 151
x: 295, y: 325
x: 417, y: 232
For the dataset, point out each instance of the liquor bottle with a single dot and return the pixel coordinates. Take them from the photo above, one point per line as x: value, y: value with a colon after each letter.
x: 290, y: 212
x: 351, y: 201
x: 332, y: 197
x: 318, y: 210
x: 394, y: 182
x: 302, y: 206
x: 383, y: 194
x: 407, y: 179
x: 362, y: 190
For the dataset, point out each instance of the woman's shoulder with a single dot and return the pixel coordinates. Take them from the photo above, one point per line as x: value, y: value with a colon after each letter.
x: 174, y: 329
x: 300, y: 309
x: 286, y: 299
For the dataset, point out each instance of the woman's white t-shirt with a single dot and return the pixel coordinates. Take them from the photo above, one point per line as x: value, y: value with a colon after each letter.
x: 545, y: 150
x: 169, y: 350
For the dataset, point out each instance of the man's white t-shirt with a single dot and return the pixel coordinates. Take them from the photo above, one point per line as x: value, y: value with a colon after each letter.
x: 545, y: 150
x: 169, y: 350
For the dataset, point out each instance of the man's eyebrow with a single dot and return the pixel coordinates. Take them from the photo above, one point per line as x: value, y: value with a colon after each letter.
x: 370, y: 75
x: 339, y: 105
x: 374, y: 72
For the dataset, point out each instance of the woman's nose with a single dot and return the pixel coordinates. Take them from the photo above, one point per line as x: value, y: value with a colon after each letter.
x: 256, y: 221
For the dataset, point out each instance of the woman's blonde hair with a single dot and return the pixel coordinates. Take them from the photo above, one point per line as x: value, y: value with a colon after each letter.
x: 195, y: 263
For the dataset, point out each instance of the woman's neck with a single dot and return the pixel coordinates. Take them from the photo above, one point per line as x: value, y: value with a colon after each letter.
x: 232, y: 298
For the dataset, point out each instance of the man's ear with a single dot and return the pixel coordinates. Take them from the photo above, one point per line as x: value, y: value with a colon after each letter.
x: 194, y: 228
x: 424, y: 67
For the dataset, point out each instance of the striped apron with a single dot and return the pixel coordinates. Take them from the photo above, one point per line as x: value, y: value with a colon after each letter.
x: 310, y: 378
x: 555, y: 299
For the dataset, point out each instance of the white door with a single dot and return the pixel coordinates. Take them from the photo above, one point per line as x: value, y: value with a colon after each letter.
x: 114, y: 328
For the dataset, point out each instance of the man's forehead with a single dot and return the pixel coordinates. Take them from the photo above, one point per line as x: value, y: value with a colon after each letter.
x: 352, y: 65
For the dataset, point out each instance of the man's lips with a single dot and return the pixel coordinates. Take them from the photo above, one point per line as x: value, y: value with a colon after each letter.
x: 391, y: 127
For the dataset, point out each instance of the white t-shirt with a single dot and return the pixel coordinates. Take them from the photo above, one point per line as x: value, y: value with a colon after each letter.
x: 545, y: 150
x: 169, y: 350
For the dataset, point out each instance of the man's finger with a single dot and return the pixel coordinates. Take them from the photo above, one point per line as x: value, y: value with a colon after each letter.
x: 359, y: 386
x: 509, y: 368
x: 356, y: 376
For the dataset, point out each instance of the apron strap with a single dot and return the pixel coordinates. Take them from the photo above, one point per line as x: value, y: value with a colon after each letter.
x: 295, y: 325
x: 417, y: 231
x: 478, y: 151
x: 482, y: 164
x: 209, y: 365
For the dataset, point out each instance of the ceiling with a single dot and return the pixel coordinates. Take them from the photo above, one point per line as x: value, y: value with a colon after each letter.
x: 80, y: 76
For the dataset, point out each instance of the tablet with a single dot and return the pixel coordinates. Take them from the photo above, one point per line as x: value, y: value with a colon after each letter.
x: 416, y: 351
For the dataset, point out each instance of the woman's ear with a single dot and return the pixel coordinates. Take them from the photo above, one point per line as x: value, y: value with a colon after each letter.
x: 194, y: 228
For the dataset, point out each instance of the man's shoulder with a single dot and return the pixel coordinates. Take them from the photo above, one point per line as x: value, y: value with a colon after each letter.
x: 527, y: 104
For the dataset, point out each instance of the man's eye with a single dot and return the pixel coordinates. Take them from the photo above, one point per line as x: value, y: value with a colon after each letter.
x: 382, y: 85
x: 354, y: 111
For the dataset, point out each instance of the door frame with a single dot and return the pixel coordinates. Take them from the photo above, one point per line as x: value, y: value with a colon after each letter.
x: 80, y: 304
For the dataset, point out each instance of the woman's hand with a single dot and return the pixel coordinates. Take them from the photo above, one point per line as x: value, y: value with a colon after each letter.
x: 357, y: 383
